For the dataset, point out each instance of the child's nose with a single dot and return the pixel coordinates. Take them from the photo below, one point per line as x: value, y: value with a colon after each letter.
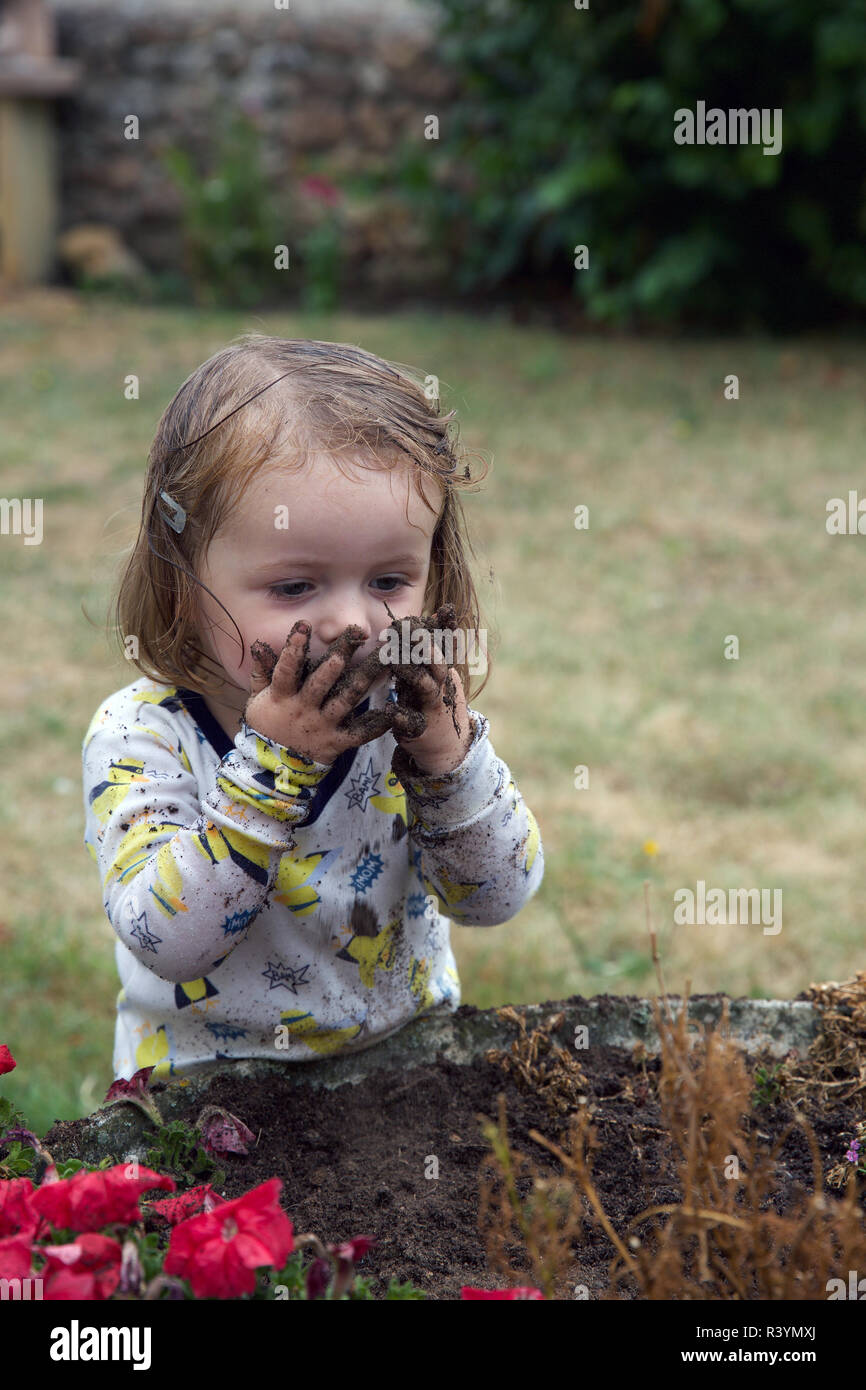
x: 331, y: 628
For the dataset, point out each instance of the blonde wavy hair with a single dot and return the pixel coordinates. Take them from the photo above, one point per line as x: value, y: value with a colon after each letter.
x: 225, y: 424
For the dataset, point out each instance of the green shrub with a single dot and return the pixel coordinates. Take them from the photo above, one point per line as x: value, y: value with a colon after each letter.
x: 562, y: 134
x: 231, y: 224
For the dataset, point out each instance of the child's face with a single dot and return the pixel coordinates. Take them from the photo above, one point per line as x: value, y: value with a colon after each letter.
x: 317, y: 545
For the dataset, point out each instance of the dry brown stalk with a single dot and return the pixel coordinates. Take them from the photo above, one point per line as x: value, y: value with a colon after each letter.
x: 724, y: 1239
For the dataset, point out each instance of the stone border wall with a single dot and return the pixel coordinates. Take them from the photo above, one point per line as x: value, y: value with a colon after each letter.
x: 761, y: 1026
x: 321, y: 81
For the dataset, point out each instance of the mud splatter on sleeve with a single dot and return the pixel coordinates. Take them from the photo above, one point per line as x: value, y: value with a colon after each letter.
x: 480, y: 843
x: 184, y: 874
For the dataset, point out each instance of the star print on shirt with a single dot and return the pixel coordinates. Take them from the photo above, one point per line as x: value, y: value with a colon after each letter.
x: 285, y: 975
x: 146, y: 939
x: 364, y: 786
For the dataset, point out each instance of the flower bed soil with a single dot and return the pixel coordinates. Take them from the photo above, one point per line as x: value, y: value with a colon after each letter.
x: 353, y: 1159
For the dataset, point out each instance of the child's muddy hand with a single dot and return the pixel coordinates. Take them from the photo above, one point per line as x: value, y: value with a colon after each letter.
x: 305, y: 706
x: 432, y: 691
x: 436, y: 693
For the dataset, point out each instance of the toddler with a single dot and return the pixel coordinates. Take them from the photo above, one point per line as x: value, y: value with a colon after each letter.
x: 284, y: 813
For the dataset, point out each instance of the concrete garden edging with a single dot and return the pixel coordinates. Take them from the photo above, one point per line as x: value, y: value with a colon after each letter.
x: 771, y: 1026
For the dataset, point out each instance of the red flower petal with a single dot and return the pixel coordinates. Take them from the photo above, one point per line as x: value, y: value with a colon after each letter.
x: 89, y: 1201
x: 353, y: 1249
x: 186, y: 1204
x: 7, y: 1061
x: 17, y: 1216
x: 15, y: 1257
x: 88, y: 1268
x: 219, y: 1250
x: 317, y: 186
x: 66, y: 1284
x: 133, y: 1087
x: 224, y: 1133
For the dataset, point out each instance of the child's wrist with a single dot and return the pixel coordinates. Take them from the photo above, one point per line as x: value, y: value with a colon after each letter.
x: 433, y: 759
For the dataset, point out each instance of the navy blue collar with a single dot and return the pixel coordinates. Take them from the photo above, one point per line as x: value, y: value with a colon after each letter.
x: 209, y: 725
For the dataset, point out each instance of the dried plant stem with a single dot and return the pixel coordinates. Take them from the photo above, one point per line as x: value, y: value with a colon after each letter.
x: 654, y: 946
x: 312, y: 1240
x: 703, y: 1213
x: 579, y: 1169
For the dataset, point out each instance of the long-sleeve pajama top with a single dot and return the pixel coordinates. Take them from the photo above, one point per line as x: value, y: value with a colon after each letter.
x: 271, y: 906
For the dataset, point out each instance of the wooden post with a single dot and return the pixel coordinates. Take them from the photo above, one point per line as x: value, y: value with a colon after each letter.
x: 30, y: 76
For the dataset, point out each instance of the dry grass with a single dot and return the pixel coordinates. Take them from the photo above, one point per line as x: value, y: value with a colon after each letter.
x: 723, y: 1239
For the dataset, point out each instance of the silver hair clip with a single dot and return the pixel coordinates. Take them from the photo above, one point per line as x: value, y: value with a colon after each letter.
x: 177, y: 520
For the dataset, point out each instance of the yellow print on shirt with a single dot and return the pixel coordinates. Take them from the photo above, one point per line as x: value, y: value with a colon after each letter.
x: 419, y: 982
x: 192, y: 992
x: 532, y: 841
x: 157, y: 1050
x: 392, y: 801
x: 292, y: 886
x: 107, y: 796
x: 215, y: 843
x: 450, y: 893
x: 304, y: 1027
x: 136, y: 847
x: 368, y: 952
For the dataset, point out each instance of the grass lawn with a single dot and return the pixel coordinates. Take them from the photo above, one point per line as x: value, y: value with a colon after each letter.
x: 707, y: 519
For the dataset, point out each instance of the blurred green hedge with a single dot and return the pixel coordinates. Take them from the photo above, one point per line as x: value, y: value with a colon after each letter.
x: 563, y: 134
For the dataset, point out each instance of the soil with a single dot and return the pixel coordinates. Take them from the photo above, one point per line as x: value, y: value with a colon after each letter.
x: 352, y: 1160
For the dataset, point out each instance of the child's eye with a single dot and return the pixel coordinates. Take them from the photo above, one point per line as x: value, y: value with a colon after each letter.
x: 277, y: 589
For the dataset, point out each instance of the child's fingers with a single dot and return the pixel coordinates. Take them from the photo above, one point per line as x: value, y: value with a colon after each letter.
x: 286, y: 675
x: 394, y: 718
x: 405, y: 722
x: 445, y: 617
x: 333, y: 664
x: 370, y: 725
x: 438, y: 666
x: 444, y: 620
x: 350, y: 685
x: 421, y: 680
x: 264, y: 660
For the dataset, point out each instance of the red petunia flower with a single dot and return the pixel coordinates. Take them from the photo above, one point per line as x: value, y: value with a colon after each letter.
x: 15, y: 1257
x: 468, y: 1292
x: 317, y: 186
x: 186, y: 1204
x: 219, y: 1251
x: 135, y: 1086
x: 87, y: 1268
x: 346, y: 1254
x: 137, y: 1092
x: 354, y: 1249
x: 17, y: 1216
x: 89, y: 1201
x: 7, y: 1061
x: 223, y: 1132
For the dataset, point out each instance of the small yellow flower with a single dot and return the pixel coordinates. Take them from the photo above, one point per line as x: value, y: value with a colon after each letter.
x: 650, y: 847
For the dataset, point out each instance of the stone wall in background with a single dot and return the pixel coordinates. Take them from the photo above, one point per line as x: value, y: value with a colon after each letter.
x: 331, y: 83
